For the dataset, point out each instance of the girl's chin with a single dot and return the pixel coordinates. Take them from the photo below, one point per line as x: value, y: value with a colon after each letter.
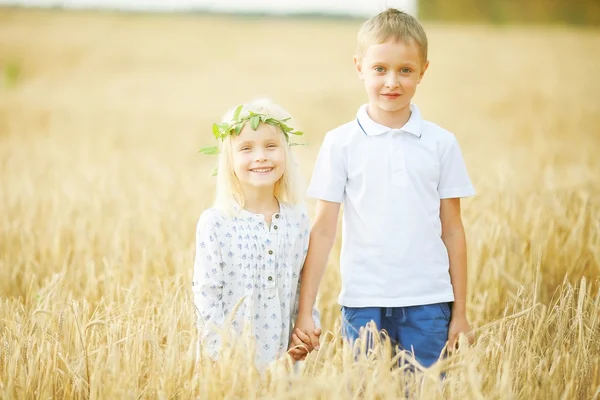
x: 262, y: 180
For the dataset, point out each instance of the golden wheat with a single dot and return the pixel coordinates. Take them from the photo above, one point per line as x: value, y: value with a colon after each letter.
x: 101, y: 186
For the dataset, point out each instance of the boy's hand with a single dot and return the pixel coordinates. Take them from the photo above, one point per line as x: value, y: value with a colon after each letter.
x: 305, y: 337
x: 458, y: 325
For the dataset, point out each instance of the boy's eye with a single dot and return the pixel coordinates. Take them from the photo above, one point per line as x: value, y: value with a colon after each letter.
x: 406, y: 70
x: 379, y: 69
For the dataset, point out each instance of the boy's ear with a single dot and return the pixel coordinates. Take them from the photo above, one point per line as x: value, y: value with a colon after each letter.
x: 425, y: 66
x: 358, y: 67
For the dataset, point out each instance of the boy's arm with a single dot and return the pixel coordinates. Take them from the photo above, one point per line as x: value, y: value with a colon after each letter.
x: 453, y: 236
x: 328, y: 186
x: 299, y: 353
x: 322, y: 237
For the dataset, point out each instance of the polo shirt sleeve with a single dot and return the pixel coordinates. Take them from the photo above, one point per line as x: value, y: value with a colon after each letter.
x: 330, y: 173
x: 454, y: 179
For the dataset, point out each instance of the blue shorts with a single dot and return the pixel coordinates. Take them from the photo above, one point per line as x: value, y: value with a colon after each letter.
x: 420, y: 330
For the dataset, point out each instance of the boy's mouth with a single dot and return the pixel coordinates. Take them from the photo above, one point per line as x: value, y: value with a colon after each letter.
x: 391, y: 95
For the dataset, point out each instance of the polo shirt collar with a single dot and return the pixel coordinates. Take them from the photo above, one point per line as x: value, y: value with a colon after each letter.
x: 372, y: 128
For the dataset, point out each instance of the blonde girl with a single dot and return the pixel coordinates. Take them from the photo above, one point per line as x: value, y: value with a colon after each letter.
x: 251, y: 245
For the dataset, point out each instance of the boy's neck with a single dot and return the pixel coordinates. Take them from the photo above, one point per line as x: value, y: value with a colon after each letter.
x: 391, y: 119
x: 260, y: 200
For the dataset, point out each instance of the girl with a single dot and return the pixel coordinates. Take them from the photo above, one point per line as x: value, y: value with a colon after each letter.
x: 251, y: 245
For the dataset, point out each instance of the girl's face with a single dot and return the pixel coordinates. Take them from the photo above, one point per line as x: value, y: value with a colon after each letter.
x: 258, y: 156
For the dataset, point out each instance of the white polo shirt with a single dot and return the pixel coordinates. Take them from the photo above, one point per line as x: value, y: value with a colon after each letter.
x: 391, y: 182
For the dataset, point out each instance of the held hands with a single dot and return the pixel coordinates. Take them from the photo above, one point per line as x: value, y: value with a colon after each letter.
x: 305, y: 337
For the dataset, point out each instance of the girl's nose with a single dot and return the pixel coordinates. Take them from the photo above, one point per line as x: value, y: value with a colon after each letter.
x: 260, y: 155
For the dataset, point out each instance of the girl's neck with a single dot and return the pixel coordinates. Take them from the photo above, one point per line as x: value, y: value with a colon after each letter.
x: 260, y: 201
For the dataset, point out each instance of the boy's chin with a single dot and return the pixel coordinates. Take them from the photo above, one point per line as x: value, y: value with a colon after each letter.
x: 391, y: 107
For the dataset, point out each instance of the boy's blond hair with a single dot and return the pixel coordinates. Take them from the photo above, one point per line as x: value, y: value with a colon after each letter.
x: 392, y: 24
x: 288, y: 189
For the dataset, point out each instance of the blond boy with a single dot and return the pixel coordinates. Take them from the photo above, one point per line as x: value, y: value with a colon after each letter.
x: 403, y: 258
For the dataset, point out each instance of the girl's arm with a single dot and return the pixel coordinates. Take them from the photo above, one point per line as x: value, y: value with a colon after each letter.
x: 207, y: 284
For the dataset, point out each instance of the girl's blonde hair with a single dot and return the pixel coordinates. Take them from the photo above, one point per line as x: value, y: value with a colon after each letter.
x: 288, y: 189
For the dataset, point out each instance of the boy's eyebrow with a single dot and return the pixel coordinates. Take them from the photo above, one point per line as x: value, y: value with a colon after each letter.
x: 402, y: 63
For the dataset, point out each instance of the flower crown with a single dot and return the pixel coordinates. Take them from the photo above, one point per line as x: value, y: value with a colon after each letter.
x: 235, y: 126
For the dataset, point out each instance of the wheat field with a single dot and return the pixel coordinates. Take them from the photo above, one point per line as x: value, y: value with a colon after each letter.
x: 101, y: 117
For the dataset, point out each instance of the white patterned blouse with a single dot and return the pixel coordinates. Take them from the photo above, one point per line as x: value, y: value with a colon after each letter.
x: 242, y: 257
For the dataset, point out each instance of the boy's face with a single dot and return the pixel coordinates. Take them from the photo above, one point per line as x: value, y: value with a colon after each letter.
x: 391, y: 72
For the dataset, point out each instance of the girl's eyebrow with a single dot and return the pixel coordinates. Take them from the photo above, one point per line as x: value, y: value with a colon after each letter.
x: 244, y: 143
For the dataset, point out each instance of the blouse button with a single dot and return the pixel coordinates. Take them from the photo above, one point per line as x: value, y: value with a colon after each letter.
x: 270, y: 251
x: 275, y: 227
x: 276, y: 216
x: 270, y: 278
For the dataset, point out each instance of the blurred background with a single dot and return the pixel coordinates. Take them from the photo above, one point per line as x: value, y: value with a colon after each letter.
x: 577, y: 12
x: 104, y: 105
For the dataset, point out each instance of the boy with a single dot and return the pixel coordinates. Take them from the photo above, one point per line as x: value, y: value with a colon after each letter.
x: 403, y: 258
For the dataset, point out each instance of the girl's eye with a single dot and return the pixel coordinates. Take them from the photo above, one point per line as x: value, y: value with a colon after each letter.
x: 245, y: 148
x: 272, y: 145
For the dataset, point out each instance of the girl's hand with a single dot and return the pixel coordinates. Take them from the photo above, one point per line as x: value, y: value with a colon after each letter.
x: 305, y: 337
x: 458, y: 325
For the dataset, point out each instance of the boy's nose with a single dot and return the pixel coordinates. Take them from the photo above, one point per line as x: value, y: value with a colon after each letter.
x: 391, y: 81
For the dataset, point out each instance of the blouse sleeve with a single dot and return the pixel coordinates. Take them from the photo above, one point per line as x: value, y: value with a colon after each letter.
x: 207, y: 284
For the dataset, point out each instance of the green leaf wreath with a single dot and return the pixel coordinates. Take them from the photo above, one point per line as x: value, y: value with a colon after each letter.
x: 235, y: 126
